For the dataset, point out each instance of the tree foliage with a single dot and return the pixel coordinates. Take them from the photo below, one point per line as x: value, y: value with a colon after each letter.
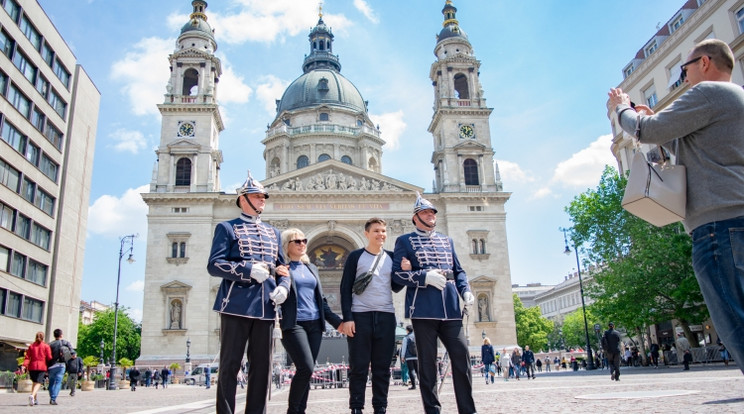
x: 574, y: 334
x: 128, y: 336
x: 642, y: 274
x: 532, y: 327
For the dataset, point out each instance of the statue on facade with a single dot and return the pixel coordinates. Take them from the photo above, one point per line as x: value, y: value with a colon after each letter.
x: 175, y: 315
x: 483, y: 309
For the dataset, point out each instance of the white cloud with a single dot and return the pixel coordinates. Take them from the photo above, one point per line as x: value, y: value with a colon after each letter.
x: 511, y: 173
x: 135, y: 314
x: 113, y: 216
x: 267, y: 21
x: 232, y: 88
x: 144, y: 71
x: 269, y: 91
x: 585, y: 167
x: 541, y: 193
x: 128, y: 141
x: 366, y: 10
x: 136, y: 286
x: 391, y: 128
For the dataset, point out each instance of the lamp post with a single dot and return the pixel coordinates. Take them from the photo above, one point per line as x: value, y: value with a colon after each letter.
x: 589, y: 356
x: 101, y: 359
x: 130, y: 260
x: 188, y: 347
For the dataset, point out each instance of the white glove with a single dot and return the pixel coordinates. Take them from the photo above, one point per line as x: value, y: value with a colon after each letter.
x: 468, y: 298
x: 436, y: 279
x: 279, y: 295
x: 260, y: 272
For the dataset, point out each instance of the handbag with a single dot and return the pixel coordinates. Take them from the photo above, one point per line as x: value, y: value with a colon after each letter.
x: 361, y: 283
x: 656, y: 193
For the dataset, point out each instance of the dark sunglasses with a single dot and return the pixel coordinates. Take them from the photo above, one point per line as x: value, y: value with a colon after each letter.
x: 683, y: 68
x: 299, y: 241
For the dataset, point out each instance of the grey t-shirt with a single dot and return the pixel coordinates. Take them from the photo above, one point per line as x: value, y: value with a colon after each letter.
x: 378, y: 297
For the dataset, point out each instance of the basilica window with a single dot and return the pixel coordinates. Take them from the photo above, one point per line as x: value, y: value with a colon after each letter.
x: 190, y: 80
x: 470, y: 168
x: 183, y: 171
x: 461, y: 86
x: 323, y: 116
x: 324, y: 157
x: 178, y: 242
x: 346, y: 159
x: 302, y: 162
x: 478, y: 239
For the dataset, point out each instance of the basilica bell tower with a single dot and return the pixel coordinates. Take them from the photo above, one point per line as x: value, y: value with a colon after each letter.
x: 188, y: 157
x: 463, y: 157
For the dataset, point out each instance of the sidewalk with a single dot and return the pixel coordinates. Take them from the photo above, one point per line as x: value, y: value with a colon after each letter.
x: 704, y: 389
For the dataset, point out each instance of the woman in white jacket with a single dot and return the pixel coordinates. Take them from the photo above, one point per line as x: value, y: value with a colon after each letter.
x: 506, y: 363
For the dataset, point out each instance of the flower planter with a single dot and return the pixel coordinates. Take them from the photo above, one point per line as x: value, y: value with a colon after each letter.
x: 25, y: 385
x: 87, y: 385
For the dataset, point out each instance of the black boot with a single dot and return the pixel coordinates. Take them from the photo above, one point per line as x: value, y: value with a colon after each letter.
x: 380, y: 410
x: 356, y: 411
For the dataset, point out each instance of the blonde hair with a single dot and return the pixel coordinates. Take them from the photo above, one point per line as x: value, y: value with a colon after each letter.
x: 486, y: 341
x: 293, y: 234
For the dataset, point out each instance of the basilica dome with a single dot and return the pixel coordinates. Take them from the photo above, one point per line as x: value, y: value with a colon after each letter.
x: 321, y: 87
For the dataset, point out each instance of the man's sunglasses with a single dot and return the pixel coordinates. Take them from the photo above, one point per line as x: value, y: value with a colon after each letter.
x: 683, y: 67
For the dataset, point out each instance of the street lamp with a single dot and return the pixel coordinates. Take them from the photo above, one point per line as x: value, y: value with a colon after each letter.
x: 483, y: 334
x: 130, y: 260
x: 101, y: 359
x: 188, y: 346
x: 589, y: 356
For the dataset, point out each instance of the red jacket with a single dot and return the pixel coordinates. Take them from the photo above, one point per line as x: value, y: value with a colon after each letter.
x: 37, y: 356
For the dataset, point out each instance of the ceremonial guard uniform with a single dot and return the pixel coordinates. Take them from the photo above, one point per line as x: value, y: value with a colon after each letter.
x: 246, y: 253
x: 434, y: 286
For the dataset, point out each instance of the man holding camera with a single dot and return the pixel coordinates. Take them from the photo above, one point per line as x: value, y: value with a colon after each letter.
x: 369, y: 317
x: 434, y: 286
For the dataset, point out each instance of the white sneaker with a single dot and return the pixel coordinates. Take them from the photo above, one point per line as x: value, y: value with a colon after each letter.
x: 31, y: 400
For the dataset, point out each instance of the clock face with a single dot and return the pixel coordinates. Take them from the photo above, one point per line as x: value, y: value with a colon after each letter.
x: 466, y: 131
x: 186, y: 129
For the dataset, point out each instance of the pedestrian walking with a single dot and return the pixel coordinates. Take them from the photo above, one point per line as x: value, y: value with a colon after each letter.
x: 61, y: 353
x: 611, y: 343
x: 410, y: 355
x: 487, y: 357
x: 74, y: 372
x: 35, y: 363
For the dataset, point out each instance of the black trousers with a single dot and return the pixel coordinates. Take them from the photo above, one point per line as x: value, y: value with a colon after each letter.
x: 614, y: 361
x: 412, y: 369
x: 452, y: 335
x: 373, y: 343
x: 235, y: 332
x: 302, y: 343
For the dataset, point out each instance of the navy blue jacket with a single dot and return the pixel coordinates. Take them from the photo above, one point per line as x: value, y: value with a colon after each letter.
x: 236, y: 245
x: 487, y: 355
x: 289, y: 307
x: 426, y: 252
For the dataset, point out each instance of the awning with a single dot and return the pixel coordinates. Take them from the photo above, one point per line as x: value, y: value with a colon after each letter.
x: 14, y: 343
x: 674, y: 73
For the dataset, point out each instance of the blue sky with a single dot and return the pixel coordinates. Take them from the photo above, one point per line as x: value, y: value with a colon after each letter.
x: 546, y: 66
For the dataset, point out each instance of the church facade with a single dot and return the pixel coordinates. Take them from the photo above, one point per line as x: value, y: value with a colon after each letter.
x: 323, y: 166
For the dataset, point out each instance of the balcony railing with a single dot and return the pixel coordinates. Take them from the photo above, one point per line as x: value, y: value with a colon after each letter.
x: 324, y: 128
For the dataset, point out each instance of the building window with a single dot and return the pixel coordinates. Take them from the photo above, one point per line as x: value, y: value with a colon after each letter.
x: 47, y: 54
x: 23, y: 226
x: 13, y: 307
x: 44, y: 201
x: 61, y: 73
x: 650, y: 48
x: 53, y: 135
x: 59, y: 105
x: 49, y: 167
x: 628, y: 70
x: 471, y: 172
x: 6, y: 217
x: 13, y: 9
x: 9, y: 176
x: 30, y: 32
x: 32, y: 309
x: 740, y: 19
x: 37, y: 272
x: 676, y: 23
x: 178, y: 250
x: 41, y: 236
x: 650, y: 96
x: 19, y: 101
x: 482, y: 246
x: 174, y: 249
x: 4, y: 258
x: 182, y: 249
x: 324, y: 157
x: 32, y: 153
x: 302, y: 162
x: 6, y: 43
x: 14, y: 137
x: 474, y: 246
x: 323, y: 116
x: 346, y: 159
x: 42, y: 86
x: 38, y: 119
x: 18, y: 265
x: 183, y: 172
x: 28, y: 191
x: 27, y: 68
x: 461, y: 86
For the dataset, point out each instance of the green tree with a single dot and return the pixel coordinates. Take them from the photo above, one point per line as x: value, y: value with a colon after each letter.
x: 128, y: 336
x: 532, y: 327
x: 642, y: 274
x: 574, y: 333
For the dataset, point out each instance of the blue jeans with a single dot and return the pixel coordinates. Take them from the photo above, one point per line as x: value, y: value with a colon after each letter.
x: 56, y: 373
x: 718, y: 260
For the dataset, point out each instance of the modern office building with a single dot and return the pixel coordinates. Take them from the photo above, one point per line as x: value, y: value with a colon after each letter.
x: 48, y: 118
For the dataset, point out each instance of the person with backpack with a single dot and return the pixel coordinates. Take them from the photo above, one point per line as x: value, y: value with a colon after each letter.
x: 408, y: 351
x: 156, y: 377
x: 74, y: 372
x: 61, y: 353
